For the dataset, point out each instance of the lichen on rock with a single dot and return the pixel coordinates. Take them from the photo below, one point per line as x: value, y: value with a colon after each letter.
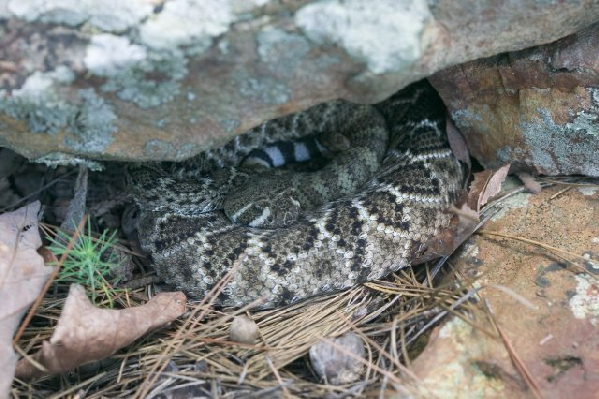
x: 370, y: 30
x: 243, y: 61
x: 37, y: 102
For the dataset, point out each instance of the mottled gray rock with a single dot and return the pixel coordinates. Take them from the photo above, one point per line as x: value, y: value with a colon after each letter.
x: 339, y: 360
x: 163, y: 80
x: 537, y: 108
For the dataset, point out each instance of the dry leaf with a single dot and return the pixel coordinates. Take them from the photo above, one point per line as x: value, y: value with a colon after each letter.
x: 440, y: 245
x: 485, y: 185
x: 457, y: 143
x: 468, y: 220
x: 22, y: 277
x: 466, y: 214
x: 85, y: 333
x: 531, y: 185
x: 462, y: 226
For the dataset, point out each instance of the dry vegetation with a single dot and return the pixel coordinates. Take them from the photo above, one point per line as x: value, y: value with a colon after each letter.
x: 194, y: 356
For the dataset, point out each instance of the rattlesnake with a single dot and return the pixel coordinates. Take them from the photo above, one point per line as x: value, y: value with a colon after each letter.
x: 380, y: 226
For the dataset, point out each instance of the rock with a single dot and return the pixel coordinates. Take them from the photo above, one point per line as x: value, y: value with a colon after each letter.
x: 537, y: 108
x: 10, y: 162
x: 547, y: 310
x: 162, y: 80
x: 243, y: 329
x: 337, y: 361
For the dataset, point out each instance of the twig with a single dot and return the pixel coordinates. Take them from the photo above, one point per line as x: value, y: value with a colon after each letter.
x: 516, y: 296
x: 25, y: 198
x: 533, y: 242
x: 440, y: 315
x: 516, y: 360
x: 278, y: 377
x: 175, y: 344
x: 554, y: 196
x: 40, y: 297
x: 397, y: 364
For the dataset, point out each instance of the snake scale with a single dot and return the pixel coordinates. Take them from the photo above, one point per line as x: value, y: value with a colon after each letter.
x: 390, y: 192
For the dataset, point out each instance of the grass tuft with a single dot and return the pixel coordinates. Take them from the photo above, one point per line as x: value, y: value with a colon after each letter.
x: 90, y: 262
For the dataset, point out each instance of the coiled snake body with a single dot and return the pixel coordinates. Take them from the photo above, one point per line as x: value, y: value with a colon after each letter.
x: 375, y: 204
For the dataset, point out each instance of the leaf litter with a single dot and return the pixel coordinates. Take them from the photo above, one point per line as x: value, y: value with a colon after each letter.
x: 195, y: 355
x: 22, y: 277
x: 85, y: 333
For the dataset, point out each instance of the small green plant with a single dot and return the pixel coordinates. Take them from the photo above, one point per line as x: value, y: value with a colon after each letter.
x: 89, y: 263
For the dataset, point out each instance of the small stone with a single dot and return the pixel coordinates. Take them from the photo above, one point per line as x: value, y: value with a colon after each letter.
x: 243, y: 329
x: 338, y: 362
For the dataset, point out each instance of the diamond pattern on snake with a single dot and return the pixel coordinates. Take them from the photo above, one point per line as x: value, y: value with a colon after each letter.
x: 385, y: 180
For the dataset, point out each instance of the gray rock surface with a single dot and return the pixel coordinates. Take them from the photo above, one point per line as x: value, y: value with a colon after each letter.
x: 537, y: 108
x: 163, y: 80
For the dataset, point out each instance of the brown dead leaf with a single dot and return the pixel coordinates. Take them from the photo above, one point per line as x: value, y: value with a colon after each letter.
x: 450, y: 238
x: 463, y: 224
x: 85, y: 333
x: 485, y: 185
x: 440, y: 245
x: 466, y: 214
x: 531, y: 185
x: 468, y: 223
x: 457, y: 143
x: 22, y: 276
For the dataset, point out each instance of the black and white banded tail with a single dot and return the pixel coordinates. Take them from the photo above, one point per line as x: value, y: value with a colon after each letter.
x: 283, y: 153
